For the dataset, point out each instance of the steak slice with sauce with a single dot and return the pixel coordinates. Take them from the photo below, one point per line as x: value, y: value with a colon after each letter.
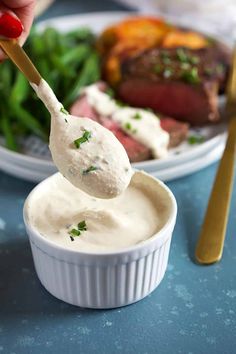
x: 135, y: 150
x: 178, y: 82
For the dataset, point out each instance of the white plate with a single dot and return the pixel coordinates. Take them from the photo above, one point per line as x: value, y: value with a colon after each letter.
x: 35, y: 164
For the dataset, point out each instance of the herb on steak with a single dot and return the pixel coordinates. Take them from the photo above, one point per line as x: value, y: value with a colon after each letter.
x: 77, y: 232
x: 164, y: 54
x: 85, y: 137
x: 90, y: 169
x: 157, y: 68
x: 120, y: 103
x: 128, y: 126
x: 110, y: 92
x: 195, y: 139
x: 191, y: 76
x: 182, y: 56
x: 166, y: 60
x: 137, y: 116
x: 194, y: 59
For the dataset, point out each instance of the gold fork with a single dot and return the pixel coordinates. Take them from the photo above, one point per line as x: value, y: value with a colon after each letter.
x: 210, y: 244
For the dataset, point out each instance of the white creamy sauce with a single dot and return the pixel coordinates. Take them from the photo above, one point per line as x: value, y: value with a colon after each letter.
x: 142, y: 125
x: 100, y: 166
x: 112, y: 224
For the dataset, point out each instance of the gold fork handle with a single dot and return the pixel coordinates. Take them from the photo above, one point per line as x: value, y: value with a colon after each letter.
x: 211, y: 240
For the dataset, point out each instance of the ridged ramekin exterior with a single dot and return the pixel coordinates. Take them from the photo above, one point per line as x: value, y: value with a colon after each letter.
x: 105, y: 280
x: 101, y: 285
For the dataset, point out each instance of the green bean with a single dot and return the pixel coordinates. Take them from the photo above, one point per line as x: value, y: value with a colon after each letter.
x: 89, y: 73
x: 10, y: 141
x: 6, y: 77
x: 66, y: 61
x: 81, y: 34
x: 20, y: 89
x: 76, y: 55
x: 63, y: 69
x: 28, y: 120
x: 50, y: 38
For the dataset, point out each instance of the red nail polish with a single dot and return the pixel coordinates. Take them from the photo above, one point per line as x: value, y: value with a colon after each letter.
x: 10, y: 26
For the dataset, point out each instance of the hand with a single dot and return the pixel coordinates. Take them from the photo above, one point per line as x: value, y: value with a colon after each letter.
x: 20, y: 12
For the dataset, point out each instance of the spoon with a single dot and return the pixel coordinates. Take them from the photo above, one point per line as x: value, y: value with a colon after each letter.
x: 16, y: 53
x: 86, y: 153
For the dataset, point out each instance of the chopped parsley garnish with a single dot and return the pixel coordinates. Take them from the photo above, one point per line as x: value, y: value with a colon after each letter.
x: 128, y: 126
x: 85, y: 137
x: 137, y: 116
x: 64, y: 111
x: 191, y: 76
x: 167, y: 73
x: 195, y: 139
x: 182, y: 56
x: 82, y: 226
x: 66, y: 120
x: 157, y: 68
x: 166, y: 60
x: 90, y: 169
x: 194, y: 60
x: 77, y: 232
x: 110, y: 92
x: 164, y: 54
x: 120, y: 103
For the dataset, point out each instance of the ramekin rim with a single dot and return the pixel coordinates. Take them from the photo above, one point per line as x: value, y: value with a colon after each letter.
x: 159, y: 234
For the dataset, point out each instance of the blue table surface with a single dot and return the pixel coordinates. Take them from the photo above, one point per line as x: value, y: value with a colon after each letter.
x: 192, y: 311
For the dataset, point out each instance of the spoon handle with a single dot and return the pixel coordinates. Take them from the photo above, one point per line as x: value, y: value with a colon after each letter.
x: 21, y: 60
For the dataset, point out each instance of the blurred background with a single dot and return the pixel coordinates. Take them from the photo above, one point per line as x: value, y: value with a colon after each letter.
x: 215, y: 16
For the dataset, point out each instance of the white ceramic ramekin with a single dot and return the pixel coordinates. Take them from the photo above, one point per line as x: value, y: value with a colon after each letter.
x: 102, y: 280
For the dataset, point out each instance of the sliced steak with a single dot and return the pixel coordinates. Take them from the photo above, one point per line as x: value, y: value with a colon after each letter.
x: 178, y: 82
x: 178, y: 131
x: 135, y: 150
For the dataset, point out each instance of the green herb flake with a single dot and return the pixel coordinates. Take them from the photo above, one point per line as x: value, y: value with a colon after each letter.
x: 166, y: 60
x: 167, y: 73
x: 66, y: 120
x: 182, y: 56
x: 128, y: 126
x: 82, y: 226
x: 90, y: 169
x: 164, y: 54
x: 157, y: 68
x: 137, y: 116
x: 120, y: 103
x: 74, y: 232
x: 195, y: 139
x: 191, y: 76
x: 77, y: 232
x: 194, y: 60
x: 110, y: 92
x: 64, y: 111
x: 83, y: 139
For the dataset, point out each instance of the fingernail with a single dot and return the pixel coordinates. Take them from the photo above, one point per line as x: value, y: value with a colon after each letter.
x: 10, y: 26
